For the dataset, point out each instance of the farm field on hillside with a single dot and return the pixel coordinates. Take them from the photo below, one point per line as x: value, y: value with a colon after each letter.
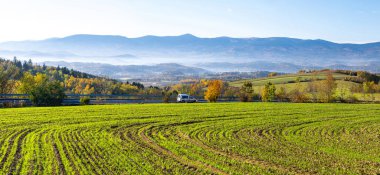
x: 283, y: 79
x: 340, y: 85
x: 288, y: 82
x: 222, y: 138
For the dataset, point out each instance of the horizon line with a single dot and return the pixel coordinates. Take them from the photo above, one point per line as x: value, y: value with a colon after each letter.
x: 184, y: 34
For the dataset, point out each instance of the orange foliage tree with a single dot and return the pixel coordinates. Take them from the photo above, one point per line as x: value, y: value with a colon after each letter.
x: 214, y: 88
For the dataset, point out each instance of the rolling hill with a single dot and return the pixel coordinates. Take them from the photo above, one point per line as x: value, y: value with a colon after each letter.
x: 289, y: 82
x: 131, y: 71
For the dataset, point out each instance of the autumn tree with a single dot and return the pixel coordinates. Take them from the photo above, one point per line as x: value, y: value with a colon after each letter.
x: 196, y: 89
x: 224, y: 88
x: 41, y: 90
x: 153, y: 90
x: 326, y: 88
x: 345, y: 95
x: 272, y: 74
x: 167, y: 92
x: 231, y: 93
x: 26, y: 83
x: 214, y: 89
x: 281, y: 94
x: 366, y: 76
x: 369, y: 88
x: 330, y: 85
x: 312, y: 87
x: 297, y: 95
x: 268, y: 93
x: 182, y: 88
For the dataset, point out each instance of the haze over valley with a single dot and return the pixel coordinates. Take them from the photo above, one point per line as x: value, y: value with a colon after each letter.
x: 122, y: 57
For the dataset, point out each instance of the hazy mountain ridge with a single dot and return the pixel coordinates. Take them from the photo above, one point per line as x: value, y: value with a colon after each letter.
x: 220, y: 49
x: 282, y: 67
x: 157, y: 75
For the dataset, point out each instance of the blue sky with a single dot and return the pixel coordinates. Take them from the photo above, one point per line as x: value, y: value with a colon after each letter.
x: 356, y: 21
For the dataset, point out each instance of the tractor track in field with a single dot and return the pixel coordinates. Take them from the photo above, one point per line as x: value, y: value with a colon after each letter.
x: 97, y: 157
x: 143, y: 146
x: 78, y: 152
x: 40, y: 147
x: 237, y: 138
x: 34, y: 162
x: 95, y: 164
x: 260, y: 163
x: 125, y: 134
x: 58, y: 157
x: 4, y: 139
x: 66, y: 152
x: 128, y: 138
x: 167, y: 152
x: 18, y: 155
x: 9, y: 148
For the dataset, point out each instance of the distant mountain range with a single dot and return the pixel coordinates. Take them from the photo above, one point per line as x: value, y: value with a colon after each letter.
x: 282, y: 67
x: 189, y: 46
x: 191, y: 50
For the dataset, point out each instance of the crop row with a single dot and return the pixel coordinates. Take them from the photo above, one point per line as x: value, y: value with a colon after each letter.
x: 233, y: 138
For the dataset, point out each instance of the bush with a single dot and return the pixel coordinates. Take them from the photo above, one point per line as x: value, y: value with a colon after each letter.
x: 166, y: 99
x: 47, y: 94
x: 167, y: 93
x: 246, y: 92
x: 42, y: 91
x: 13, y: 104
x: 345, y: 95
x: 297, y: 96
x: 281, y: 94
x: 268, y: 94
x: 84, y: 100
x: 351, y: 99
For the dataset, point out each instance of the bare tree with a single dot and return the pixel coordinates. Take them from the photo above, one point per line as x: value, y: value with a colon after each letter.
x: 326, y: 89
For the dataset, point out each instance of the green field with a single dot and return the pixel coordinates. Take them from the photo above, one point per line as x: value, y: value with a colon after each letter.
x: 223, y: 138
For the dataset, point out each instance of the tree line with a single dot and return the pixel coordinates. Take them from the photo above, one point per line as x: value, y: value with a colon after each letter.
x: 316, y: 90
x: 47, y: 86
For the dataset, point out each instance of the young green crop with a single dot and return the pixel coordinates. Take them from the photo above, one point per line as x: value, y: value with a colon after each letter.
x: 222, y: 138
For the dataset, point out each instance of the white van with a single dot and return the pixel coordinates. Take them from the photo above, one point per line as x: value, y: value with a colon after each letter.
x: 184, y: 98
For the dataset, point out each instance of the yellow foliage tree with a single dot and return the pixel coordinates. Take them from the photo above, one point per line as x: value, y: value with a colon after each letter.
x: 214, y: 88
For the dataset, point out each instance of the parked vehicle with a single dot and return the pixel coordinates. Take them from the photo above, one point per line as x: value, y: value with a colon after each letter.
x: 184, y: 98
